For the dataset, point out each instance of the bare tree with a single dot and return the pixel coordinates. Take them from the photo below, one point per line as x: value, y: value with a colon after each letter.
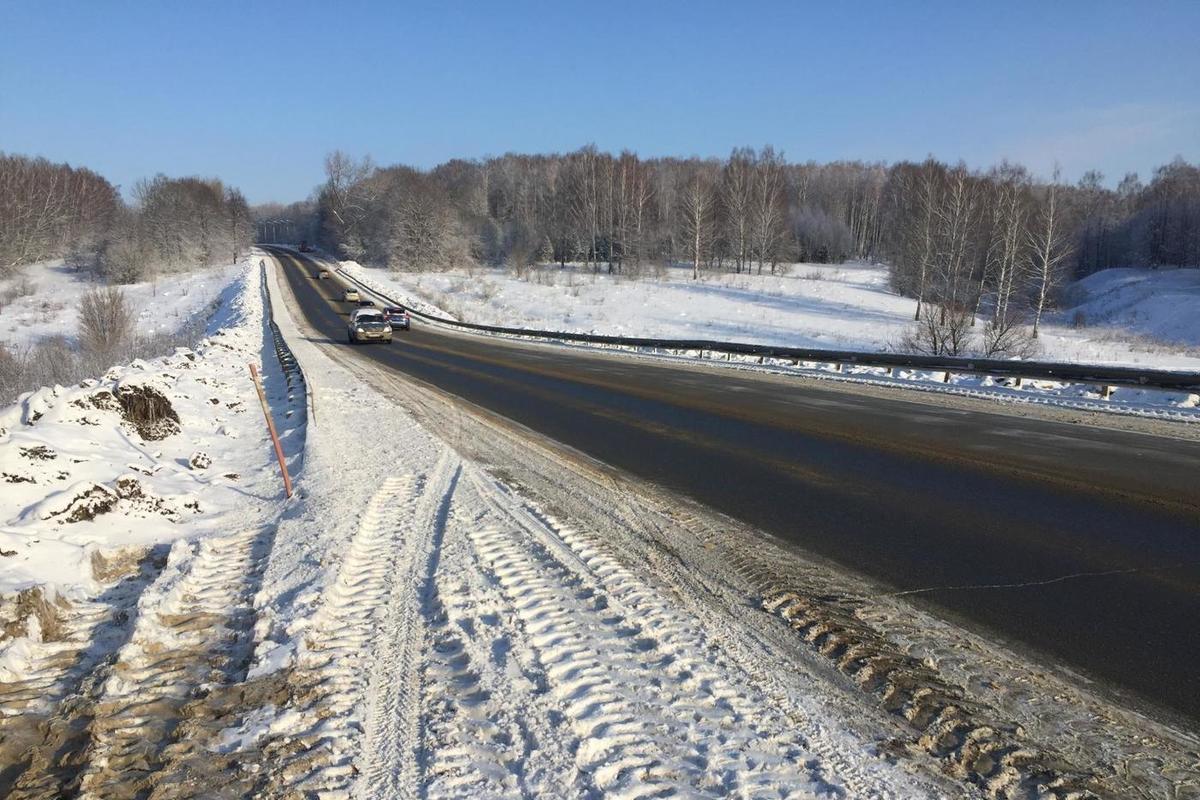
x: 697, y: 205
x: 737, y: 197
x: 767, y: 209
x: 105, y: 325
x: 347, y: 200
x: 956, y: 218
x: 944, y: 330
x: 1050, y: 249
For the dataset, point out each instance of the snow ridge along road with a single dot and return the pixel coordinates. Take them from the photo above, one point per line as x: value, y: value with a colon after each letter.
x: 138, y: 517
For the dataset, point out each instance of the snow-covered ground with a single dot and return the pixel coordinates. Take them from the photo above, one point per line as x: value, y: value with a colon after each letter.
x: 59, y: 444
x: 136, y: 512
x: 1118, y: 317
x: 450, y: 608
x: 42, y: 300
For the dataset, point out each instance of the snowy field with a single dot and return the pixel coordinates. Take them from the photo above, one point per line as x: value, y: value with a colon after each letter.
x: 1117, y: 317
x: 43, y: 300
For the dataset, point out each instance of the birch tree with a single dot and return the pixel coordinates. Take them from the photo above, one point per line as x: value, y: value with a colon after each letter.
x: 737, y: 193
x: 1050, y: 248
x: 697, y: 206
x: 767, y: 209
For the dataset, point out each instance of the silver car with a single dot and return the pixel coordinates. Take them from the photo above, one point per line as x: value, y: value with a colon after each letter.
x: 368, y: 325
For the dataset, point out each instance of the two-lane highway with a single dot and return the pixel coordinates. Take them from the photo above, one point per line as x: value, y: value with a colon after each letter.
x: 1088, y: 538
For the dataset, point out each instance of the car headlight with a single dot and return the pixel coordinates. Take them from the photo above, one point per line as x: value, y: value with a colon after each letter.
x: 387, y: 328
x: 358, y: 330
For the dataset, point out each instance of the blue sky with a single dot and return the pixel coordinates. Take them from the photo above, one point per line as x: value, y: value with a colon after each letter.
x: 257, y: 92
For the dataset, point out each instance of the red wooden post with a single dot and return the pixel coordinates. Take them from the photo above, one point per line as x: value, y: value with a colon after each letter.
x: 262, y: 398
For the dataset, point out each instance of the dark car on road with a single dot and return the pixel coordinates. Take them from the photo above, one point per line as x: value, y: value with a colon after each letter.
x: 397, y: 317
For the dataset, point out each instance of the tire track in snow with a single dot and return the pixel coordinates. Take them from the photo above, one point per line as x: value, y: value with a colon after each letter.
x: 192, y: 633
x: 490, y: 727
x: 391, y: 761
x: 61, y: 685
x: 330, y: 677
x: 651, y: 714
x: 661, y: 545
x: 676, y: 631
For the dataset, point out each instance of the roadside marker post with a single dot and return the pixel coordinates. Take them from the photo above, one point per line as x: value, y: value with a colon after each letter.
x: 262, y: 398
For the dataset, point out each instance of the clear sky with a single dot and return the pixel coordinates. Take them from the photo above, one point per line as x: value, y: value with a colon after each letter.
x: 257, y: 92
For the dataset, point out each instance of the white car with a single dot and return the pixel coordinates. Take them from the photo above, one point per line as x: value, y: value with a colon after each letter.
x: 350, y: 296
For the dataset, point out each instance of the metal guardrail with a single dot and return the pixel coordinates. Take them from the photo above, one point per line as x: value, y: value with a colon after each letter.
x: 1104, y: 376
x: 292, y: 373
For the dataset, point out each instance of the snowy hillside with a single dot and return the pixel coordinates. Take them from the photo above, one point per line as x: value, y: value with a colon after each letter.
x: 1156, y: 305
x: 1126, y: 317
x: 106, y: 474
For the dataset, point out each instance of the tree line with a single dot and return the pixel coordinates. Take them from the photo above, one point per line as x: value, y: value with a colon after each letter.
x: 751, y: 211
x: 967, y: 245
x: 617, y: 213
x: 50, y: 210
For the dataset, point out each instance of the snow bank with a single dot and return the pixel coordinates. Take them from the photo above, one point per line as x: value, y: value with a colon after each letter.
x: 153, y: 452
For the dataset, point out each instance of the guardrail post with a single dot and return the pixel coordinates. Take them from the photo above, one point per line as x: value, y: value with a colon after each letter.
x: 946, y: 378
x: 1106, y: 391
x: 1020, y: 380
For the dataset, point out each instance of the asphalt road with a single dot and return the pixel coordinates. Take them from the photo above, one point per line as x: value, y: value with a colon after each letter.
x: 1080, y: 543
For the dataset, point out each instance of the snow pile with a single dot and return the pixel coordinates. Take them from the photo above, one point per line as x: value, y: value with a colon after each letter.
x: 843, y: 307
x: 119, y: 467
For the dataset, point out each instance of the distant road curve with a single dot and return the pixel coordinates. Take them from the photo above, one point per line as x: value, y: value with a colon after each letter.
x: 1081, y: 543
